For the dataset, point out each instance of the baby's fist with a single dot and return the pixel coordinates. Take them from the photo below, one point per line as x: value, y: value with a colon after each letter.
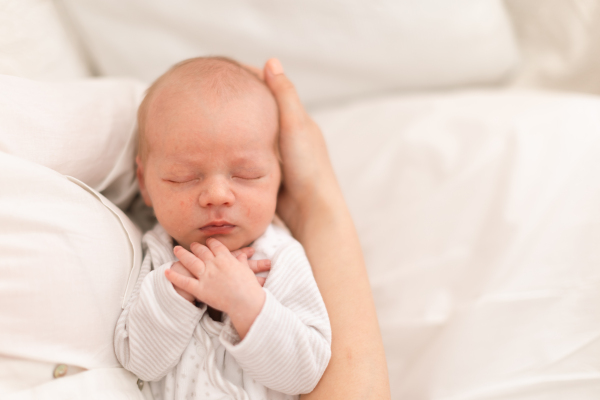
x: 180, y: 269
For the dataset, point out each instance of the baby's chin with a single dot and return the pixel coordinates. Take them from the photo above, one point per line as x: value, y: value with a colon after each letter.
x: 232, y: 242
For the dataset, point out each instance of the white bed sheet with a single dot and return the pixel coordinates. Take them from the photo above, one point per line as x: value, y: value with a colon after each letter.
x: 332, y: 50
x: 479, y: 217
x: 478, y: 213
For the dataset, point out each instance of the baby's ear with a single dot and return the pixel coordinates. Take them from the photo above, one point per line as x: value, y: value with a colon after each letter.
x: 141, y: 181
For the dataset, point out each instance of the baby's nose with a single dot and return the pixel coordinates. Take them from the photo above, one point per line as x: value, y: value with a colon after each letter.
x: 217, y: 192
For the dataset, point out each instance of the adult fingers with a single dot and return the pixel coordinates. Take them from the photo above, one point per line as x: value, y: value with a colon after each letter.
x: 189, y: 261
x: 259, y: 265
x: 182, y: 282
x: 202, y: 252
x: 218, y: 248
x: 248, y: 250
x: 290, y: 107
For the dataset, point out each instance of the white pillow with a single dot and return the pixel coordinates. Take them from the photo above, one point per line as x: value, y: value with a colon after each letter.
x: 560, y: 46
x: 67, y: 255
x: 479, y: 218
x: 85, y: 129
x: 36, y: 44
x: 331, y: 50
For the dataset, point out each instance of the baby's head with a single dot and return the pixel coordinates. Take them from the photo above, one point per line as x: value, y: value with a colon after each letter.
x: 208, y: 152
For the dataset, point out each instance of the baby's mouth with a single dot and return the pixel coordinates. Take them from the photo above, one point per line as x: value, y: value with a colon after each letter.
x: 217, y: 228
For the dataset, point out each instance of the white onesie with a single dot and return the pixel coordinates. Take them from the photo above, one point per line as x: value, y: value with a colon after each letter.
x: 163, y: 338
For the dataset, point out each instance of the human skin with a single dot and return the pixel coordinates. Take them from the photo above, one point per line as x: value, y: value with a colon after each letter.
x: 312, y: 206
x: 212, y: 175
x: 212, y: 169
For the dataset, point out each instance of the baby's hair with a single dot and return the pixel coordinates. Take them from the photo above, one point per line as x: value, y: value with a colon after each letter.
x: 221, y: 75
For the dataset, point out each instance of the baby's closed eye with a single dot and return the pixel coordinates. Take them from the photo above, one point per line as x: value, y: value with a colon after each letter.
x: 248, y: 174
x: 181, y: 180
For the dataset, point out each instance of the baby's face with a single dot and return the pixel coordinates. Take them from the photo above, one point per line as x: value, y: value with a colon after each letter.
x: 212, y: 168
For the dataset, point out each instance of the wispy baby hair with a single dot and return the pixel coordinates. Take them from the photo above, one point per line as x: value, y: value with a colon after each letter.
x: 221, y: 76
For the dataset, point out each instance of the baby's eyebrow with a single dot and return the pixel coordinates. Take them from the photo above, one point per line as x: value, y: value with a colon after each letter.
x: 246, y: 160
x: 178, y: 167
x: 180, y: 170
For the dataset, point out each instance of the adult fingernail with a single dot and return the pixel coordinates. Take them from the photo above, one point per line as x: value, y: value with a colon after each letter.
x: 275, y: 66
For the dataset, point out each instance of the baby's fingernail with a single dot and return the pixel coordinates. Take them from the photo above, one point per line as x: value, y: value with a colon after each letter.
x: 275, y: 66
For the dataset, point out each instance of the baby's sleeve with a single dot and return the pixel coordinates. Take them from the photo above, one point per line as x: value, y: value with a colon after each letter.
x: 288, y: 346
x: 156, y: 325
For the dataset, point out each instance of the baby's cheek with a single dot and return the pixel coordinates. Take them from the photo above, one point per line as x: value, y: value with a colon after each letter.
x: 179, y: 203
x: 173, y: 212
x: 263, y: 213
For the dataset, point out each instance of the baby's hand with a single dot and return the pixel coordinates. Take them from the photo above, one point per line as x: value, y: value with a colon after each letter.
x: 255, y: 265
x: 180, y: 269
x: 224, y: 282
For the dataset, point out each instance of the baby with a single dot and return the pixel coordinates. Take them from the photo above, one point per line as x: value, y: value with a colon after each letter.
x: 199, y: 324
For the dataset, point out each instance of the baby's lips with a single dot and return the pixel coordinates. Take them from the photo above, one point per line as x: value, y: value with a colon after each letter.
x: 217, y: 223
x: 217, y: 229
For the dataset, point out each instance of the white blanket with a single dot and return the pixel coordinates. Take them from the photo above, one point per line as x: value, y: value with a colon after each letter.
x: 479, y: 216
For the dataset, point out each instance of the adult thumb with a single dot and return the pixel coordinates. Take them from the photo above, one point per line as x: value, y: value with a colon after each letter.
x: 290, y: 107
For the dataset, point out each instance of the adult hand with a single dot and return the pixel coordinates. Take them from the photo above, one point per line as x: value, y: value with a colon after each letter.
x: 307, y: 171
x: 312, y: 205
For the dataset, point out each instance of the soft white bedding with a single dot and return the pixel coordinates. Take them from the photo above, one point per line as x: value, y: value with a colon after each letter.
x: 85, y: 129
x: 35, y: 43
x: 478, y: 212
x: 66, y: 257
x: 331, y: 49
x: 479, y: 216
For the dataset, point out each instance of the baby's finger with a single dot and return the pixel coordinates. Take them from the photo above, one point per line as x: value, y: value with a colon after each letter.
x: 202, y: 252
x: 184, y: 283
x: 242, y: 258
x: 261, y: 280
x: 189, y: 261
x: 248, y: 250
x: 259, y: 265
x: 217, y: 247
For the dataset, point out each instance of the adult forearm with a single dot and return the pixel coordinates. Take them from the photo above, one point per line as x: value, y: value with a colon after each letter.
x: 312, y: 206
x: 357, y: 369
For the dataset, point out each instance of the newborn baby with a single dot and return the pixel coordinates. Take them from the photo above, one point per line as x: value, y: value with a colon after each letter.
x: 199, y: 324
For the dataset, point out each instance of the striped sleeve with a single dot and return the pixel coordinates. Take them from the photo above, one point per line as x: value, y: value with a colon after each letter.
x: 156, y: 325
x: 288, y: 346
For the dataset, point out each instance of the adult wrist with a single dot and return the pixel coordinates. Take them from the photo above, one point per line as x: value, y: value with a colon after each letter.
x: 317, y: 205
